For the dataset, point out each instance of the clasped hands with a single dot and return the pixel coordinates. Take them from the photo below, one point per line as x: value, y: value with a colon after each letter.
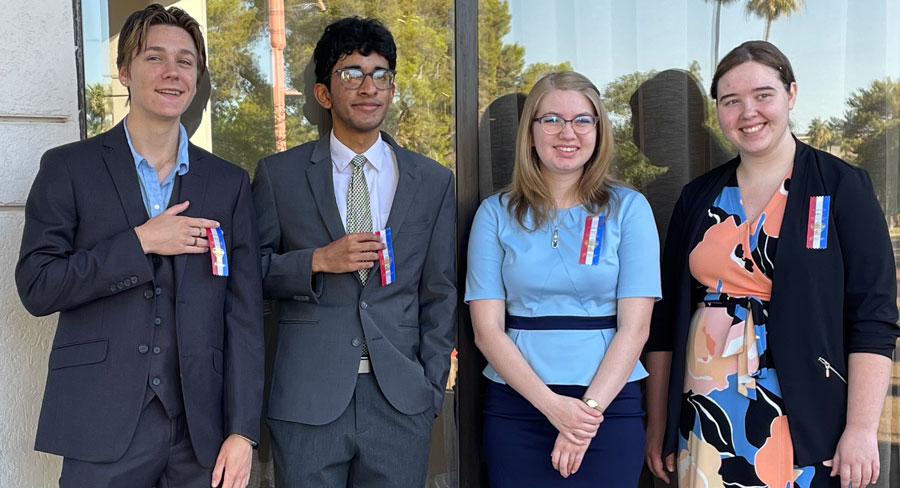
x: 169, y: 234
x: 577, y: 424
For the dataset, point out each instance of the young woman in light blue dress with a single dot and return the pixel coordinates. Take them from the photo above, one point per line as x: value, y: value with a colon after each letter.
x: 563, y: 270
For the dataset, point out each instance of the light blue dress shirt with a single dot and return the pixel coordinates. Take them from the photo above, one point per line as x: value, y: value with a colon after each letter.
x: 535, y: 279
x: 156, y: 194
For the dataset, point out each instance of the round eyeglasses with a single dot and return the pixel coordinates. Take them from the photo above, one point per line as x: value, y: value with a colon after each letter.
x: 353, y: 78
x: 554, y: 124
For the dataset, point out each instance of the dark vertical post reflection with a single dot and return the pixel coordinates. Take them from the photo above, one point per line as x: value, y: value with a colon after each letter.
x: 469, y: 383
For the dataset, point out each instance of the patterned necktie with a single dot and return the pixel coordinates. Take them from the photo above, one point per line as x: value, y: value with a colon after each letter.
x: 359, y: 213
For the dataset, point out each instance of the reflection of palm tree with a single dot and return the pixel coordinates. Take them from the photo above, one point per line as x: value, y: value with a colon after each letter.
x: 716, y: 21
x: 821, y: 134
x: 771, y: 10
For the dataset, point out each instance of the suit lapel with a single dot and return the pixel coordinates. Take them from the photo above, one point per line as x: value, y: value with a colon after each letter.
x: 193, y: 189
x: 321, y: 184
x: 120, y: 164
x: 407, y: 185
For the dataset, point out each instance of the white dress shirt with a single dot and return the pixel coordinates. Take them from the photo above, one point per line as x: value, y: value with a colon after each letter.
x: 381, y: 178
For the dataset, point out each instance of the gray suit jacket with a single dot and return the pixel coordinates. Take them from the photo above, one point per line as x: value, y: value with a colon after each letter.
x: 409, y: 324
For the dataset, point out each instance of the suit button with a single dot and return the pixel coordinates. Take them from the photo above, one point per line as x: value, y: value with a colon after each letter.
x: 156, y: 381
x: 158, y: 290
x: 120, y: 285
x: 363, y: 305
x: 157, y: 321
x: 156, y: 350
x: 356, y: 342
x: 112, y: 288
x: 148, y: 294
x: 134, y: 280
x: 143, y: 349
x: 127, y: 283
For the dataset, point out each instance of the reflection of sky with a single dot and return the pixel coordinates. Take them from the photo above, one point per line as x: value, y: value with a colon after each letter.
x: 94, y: 20
x: 834, y: 49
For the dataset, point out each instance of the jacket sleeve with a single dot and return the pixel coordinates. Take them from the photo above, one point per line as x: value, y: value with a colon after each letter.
x: 286, y: 275
x: 870, y: 281
x: 244, y: 343
x: 52, y: 274
x: 437, y: 297
x: 662, y: 323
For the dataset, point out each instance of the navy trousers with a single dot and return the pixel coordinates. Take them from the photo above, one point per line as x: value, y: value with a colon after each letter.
x: 518, y: 440
x: 160, y: 455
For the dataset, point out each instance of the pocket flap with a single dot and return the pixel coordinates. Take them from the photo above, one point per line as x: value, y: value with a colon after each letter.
x: 78, y: 354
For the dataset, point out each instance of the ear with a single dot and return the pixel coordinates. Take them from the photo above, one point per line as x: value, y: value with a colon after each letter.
x: 792, y: 95
x: 323, y: 96
x: 123, y: 76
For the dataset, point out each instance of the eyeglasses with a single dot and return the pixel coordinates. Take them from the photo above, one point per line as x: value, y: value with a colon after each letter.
x: 353, y: 78
x: 554, y: 124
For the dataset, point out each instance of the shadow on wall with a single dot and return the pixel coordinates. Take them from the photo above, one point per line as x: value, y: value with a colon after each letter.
x: 669, y: 114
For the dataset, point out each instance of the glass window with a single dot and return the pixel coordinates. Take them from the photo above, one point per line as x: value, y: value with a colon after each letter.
x: 653, y: 62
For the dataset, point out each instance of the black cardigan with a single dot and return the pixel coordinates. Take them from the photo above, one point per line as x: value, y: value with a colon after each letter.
x: 825, y: 303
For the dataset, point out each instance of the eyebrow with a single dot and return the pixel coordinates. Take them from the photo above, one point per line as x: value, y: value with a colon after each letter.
x: 758, y: 89
x: 163, y: 50
x: 356, y: 66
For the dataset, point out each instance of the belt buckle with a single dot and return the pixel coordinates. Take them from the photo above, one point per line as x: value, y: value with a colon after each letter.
x: 365, y: 366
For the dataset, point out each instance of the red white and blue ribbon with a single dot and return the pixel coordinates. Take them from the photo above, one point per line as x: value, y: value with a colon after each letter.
x: 386, y: 257
x: 217, y: 251
x: 817, y: 228
x: 592, y: 240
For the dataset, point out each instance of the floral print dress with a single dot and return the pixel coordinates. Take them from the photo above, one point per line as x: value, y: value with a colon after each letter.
x: 733, y: 430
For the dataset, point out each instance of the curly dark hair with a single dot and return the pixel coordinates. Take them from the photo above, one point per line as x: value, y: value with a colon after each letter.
x: 349, y: 35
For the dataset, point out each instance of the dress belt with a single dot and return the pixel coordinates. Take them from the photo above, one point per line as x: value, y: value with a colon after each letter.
x: 746, y: 339
x: 560, y: 322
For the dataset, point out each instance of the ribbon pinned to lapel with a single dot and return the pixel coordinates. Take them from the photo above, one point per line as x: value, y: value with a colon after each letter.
x: 386, y: 257
x: 217, y: 254
x: 817, y: 227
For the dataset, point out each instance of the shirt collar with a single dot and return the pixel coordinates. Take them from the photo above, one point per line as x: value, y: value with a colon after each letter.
x: 341, y: 155
x: 182, y: 160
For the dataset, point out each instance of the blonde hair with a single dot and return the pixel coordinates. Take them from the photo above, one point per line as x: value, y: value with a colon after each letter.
x: 528, y: 190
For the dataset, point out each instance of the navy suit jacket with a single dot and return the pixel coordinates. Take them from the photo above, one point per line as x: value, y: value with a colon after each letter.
x: 826, y: 303
x: 409, y: 324
x: 81, y: 257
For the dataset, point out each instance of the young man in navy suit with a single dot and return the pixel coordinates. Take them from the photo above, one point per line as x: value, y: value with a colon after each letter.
x: 357, y: 239
x: 146, y: 246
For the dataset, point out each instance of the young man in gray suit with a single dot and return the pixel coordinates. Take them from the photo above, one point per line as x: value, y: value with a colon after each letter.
x: 357, y: 245
x: 156, y: 372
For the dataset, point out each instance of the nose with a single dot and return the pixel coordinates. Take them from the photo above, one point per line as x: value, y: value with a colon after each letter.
x: 368, y: 84
x: 171, y: 69
x: 568, y: 130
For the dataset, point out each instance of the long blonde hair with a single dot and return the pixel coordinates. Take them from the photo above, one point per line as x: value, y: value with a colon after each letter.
x: 528, y: 190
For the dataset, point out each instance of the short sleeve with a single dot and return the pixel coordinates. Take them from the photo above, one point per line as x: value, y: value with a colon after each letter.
x: 638, y: 248
x: 484, y: 278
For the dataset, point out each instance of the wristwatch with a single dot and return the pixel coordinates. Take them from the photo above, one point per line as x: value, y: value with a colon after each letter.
x: 592, y: 403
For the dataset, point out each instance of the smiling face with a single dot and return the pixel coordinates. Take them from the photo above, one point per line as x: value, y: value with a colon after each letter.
x: 359, y: 111
x: 566, y: 152
x: 162, y: 79
x: 753, y: 109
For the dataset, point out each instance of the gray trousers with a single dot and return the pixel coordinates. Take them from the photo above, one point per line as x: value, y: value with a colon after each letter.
x: 371, y: 445
x: 160, y: 455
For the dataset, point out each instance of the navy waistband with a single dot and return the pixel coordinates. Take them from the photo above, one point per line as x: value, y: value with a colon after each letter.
x: 560, y: 322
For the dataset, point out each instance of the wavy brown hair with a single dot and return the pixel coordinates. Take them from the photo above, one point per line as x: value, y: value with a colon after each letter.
x: 528, y: 190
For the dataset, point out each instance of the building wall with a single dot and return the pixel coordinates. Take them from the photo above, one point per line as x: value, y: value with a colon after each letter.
x: 38, y: 110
